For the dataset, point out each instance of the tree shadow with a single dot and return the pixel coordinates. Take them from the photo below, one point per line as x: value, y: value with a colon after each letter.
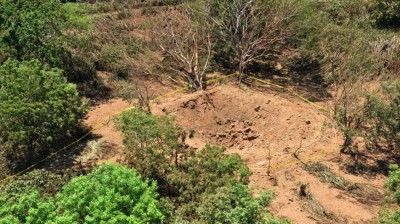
x: 67, y: 161
x: 371, y: 163
x: 307, y: 80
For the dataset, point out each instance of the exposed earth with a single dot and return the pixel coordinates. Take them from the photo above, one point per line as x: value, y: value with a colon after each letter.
x: 268, y: 129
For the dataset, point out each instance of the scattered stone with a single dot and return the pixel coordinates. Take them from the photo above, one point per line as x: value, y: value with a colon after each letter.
x: 222, y: 135
x: 308, y: 122
x: 250, y: 137
x: 247, y: 130
x: 257, y: 108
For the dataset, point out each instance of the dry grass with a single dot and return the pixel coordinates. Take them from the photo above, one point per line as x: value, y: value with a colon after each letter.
x: 363, y: 193
x: 313, y: 206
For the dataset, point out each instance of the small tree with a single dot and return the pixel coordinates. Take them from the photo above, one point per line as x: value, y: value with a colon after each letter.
x: 383, y: 110
x: 254, y: 30
x: 151, y: 143
x: 39, y: 110
x: 46, y: 30
x: 185, y: 37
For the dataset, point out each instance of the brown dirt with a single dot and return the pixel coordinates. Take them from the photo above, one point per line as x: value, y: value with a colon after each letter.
x: 258, y: 126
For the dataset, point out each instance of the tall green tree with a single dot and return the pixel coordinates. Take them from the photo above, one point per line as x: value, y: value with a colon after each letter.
x: 47, y: 30
x: 39, y: 111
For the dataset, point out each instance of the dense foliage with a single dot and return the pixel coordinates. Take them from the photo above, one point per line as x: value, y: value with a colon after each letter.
x: 388, y: 216
x: 35, y: 30
x: 386, y: 13
x: 384, y: 110
x: 111, y: 194
x: 344, y: 45
x: 39, y: 111
x: 50, y: 31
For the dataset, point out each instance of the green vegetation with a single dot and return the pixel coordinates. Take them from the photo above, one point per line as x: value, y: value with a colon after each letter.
x: 384, y: 111
x: 390, y: 215
x: 39, y: 112
x: 115, y: 189
x: 39, y: 30
x: 199, y: 184
x: 386, y: 13
x: 344, y: 51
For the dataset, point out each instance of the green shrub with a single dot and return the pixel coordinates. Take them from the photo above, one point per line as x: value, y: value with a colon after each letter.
x: 150, y: 143
x: 111, y: 194
x: 46, y: 30
x: 34, y: 29
x: 42, y: 181
x: 389, y: 216
x: 393, y: 182
x: 39, y: 112
x: 386, y: 13
x: 384, y: 111
x: 233, y: 204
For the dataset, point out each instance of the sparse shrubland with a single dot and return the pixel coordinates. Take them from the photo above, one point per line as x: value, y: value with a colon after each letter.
x: 349, y: 49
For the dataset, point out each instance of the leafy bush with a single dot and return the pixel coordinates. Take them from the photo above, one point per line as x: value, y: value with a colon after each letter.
x: 111, y: 194
x: 233, y: 204
x: 42, y: 181
x: 386, y: 13
x: 46, y: 30
x: 151, y: 143
x: 388, y: 216
x: 393, y: 182
x: 39, y: 110
x: 34, y: 29
x: 384, y: 111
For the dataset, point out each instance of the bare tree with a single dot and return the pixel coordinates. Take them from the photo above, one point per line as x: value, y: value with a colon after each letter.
x: 348, y: 73
x: 187, y: 41
x: 256, y: 29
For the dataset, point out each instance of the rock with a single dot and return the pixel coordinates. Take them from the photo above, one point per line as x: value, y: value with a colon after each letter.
x: 257, y: 108
x: 247, y: 130
x: 278, y: 66
x: 261, y: 163
x: 249, y: 137
x: 308, y: 122
x: 222, y: 135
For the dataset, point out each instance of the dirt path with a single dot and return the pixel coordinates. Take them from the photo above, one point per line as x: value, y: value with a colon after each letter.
x: 258, y: 126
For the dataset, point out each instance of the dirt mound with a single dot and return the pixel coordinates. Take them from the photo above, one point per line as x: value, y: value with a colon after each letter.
x: 266, y: 129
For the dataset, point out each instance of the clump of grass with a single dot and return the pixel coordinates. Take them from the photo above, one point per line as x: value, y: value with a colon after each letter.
x: 363, y: 193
